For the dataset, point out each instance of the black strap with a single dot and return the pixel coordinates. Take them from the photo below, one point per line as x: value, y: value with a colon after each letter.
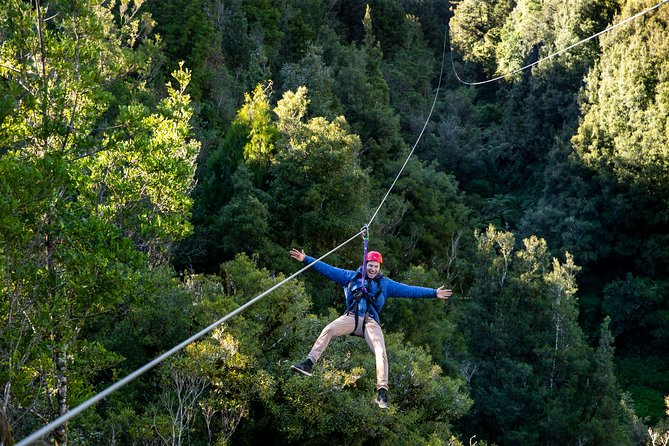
x: 356, y: 303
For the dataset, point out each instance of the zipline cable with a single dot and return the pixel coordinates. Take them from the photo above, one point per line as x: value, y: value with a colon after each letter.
x: 518, y: 70
x: 436, y: 95
x: 148, y: 366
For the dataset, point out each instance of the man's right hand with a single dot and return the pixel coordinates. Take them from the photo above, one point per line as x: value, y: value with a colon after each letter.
x: 297, y: 255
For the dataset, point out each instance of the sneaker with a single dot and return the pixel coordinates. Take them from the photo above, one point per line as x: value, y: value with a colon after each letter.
x: 303, y: 367
x: 382, y: 399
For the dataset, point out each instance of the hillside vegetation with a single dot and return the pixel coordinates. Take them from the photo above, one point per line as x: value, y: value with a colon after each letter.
x: 159, y: 158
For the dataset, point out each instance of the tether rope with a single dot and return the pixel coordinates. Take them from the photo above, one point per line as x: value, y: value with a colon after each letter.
x: 518, y: 70
x: 148, y: 366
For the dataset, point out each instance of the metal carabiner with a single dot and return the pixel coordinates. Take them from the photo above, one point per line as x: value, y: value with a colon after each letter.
x: 365, y: 232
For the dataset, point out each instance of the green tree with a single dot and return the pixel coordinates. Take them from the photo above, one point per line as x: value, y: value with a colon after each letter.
x: 420, y: 225
x: 300, y: 22
x: 408, y: 71
x: 503, y: 36
x: 306, y: 181
x: 527, y: 359
x: 461, y: 141
x: 625, y: 105
x: 517, y: 119
x: 90, y: 184
x: 622, y: 139
x: 249, y: 142
x: 364, y: 96
x: 312, y: 72
x: 266, y: 16
x: 604, y: 412
x: 187, y: 32
x: 476, y: 27
x: 318, y: 189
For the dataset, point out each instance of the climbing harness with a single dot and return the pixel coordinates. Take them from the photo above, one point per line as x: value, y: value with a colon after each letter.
x: 361, y: 291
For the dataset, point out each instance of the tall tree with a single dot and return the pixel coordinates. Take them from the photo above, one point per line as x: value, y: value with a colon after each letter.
x: 602, y: 413
x: 623, y: 139
x: 364, y: 95
x: 625, y: 106
x: 249, y: 142
x: 93, y: 188
x: 527, y: 358
x: 475, y: 29
x: 319, y: 190
x: 312, y: 72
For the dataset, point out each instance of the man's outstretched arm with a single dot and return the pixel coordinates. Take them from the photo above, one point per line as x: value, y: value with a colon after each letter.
x: 398, y: 289
x: 338, y: 275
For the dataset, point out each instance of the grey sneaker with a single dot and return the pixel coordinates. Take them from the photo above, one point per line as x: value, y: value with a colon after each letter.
x: 382, y: 399
x: 303, y: 367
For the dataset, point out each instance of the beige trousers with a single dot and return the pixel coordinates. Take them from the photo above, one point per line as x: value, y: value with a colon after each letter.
x: 344, y: 325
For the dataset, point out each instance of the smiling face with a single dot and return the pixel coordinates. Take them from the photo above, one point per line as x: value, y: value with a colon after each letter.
x: 373, y: 269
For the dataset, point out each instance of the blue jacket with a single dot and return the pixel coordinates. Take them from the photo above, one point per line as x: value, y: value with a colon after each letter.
x: 389, y: 287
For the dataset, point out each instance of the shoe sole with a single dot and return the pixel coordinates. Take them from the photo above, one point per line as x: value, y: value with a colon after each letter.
x: 382, y: 405
x: 296, y: 369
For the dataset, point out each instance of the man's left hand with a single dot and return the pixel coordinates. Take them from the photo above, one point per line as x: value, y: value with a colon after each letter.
x: 443, y: 293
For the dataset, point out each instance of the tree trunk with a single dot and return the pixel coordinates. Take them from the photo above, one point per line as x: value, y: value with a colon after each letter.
x: 60, y: 433
x: 6, y: 438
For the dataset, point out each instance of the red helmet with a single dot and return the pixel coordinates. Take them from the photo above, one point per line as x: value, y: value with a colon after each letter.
x: 374, y: 256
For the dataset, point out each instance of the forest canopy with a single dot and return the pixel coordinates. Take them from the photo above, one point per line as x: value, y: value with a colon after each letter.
x: 159, y: 159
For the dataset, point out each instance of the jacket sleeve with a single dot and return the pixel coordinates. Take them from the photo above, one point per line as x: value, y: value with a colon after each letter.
x: 396, y: 289
x: 337, y: 275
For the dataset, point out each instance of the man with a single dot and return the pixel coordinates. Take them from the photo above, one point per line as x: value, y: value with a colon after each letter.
x: 364, y: 301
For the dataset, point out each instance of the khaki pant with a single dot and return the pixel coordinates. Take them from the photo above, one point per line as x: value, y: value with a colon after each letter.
x: 373, y: 335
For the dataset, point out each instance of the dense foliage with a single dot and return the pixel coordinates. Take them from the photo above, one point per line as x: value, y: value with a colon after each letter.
x: 158, y: 159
